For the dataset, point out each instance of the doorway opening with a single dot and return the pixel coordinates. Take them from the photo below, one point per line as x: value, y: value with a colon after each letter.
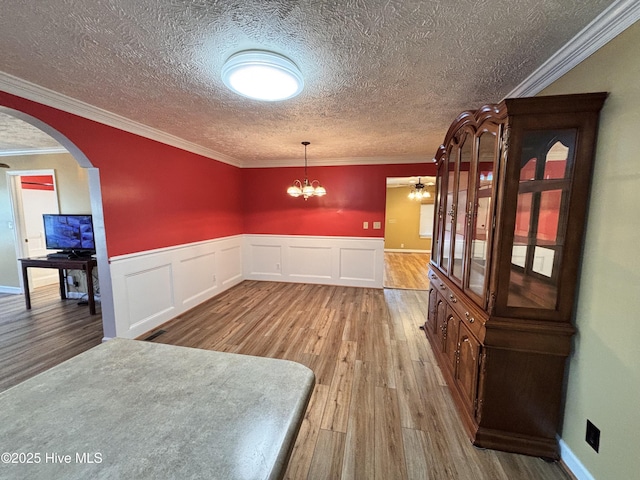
x: 95, y: 205
x: 408, y: 231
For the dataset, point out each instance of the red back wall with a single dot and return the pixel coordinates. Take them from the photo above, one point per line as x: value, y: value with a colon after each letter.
x: 355, y: 194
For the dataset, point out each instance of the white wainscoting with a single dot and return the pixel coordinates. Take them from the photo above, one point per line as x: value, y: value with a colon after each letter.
x: 152, y: 287
x: 348, y: 261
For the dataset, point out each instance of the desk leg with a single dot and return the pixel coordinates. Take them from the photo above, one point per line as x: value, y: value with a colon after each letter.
x: 90, y: 297
x: 63, y: 288
x: 25, y: 283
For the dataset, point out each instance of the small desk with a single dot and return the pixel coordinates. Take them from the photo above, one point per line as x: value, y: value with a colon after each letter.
x: 81, y: 263
x: 129, y: 409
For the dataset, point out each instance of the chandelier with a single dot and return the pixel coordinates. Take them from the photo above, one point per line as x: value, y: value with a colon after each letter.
x: 418, y: 192
x: 306, y: 188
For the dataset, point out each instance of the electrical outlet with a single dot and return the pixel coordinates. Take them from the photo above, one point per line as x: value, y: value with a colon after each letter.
x: 277, y: 266
x: 365, y: 225
x: 593, y: 436
x: 377, y: 226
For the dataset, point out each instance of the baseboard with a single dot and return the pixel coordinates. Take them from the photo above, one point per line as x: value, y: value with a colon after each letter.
x: 404, y: 250
x: 11, y: 290
x: 572, y: 463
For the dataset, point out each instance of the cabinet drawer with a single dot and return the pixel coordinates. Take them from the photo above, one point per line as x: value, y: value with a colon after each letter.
x: 440, y: 286
x: 468, y: 313
x: 463, y: 307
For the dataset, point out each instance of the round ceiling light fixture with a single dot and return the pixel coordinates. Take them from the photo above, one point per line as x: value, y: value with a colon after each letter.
x: 262, y: 75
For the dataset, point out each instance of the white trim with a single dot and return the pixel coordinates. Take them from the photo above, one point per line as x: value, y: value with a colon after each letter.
x: 619, y: 16
x: 329, y: 162
x: 36, y: 93
x: 572, y: 462
x: 117, y: 258
x: 33, y: 151
x: 11, y: 290
x: 405, y: 250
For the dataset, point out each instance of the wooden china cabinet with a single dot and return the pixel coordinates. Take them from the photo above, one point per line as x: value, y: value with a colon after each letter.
x: 512, y: 192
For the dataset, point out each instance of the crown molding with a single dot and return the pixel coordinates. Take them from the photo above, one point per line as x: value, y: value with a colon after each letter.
x: 332, y: 162
x: 32, y: 151
x: 619, y: 16
x: 37, y: 93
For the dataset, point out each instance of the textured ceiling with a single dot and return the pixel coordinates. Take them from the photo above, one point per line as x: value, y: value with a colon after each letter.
x: 383, y: 78
x: 16, y: 135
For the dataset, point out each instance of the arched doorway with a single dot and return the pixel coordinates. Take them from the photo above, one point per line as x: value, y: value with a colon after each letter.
x: 95, y: 194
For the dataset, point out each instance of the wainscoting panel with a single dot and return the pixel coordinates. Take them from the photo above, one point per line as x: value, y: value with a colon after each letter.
x: 197, y: 277
x: 358, y: 264
x: 143, y: 308
x: 310, y: 262
x: 230, y: 265
x: 152, y: 287
x: 265, y: 259
x: 348, y: 261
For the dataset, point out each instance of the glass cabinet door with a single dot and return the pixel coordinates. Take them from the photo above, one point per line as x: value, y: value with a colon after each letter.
x: 461, y: 209
x: 482, y: 216
x: 449, y: 207
x: 439, y: 216
x: 545, y: 171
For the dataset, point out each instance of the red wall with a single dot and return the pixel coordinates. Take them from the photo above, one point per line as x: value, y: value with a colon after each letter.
x: 153, y: 195
x: 355, y: 194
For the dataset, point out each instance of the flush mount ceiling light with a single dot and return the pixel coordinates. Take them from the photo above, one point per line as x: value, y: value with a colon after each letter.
x: 418, y: 191
x: 262, y: 75
x: 306, y: 188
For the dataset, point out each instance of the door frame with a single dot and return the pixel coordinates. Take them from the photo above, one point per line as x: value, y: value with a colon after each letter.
x: 17, y: 210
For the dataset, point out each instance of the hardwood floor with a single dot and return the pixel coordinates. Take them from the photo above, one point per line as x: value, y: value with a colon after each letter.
x: 406, y: 270
x: 380, y: 409
x: 54, y: 330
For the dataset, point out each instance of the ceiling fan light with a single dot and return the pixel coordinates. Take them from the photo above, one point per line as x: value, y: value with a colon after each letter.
x: 262, y: 75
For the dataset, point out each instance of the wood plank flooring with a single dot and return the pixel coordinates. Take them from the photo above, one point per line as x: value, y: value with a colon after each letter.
x: 406, y: 270
x: 380, y: 409
x: 54, y: 330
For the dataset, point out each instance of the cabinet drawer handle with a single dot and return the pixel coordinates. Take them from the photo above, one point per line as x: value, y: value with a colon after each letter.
x: 471, y: 319
x: 441, y: 285
x: 452, y: 298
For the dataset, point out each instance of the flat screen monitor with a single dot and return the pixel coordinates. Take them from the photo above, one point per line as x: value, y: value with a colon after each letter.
x: 69, y: 233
